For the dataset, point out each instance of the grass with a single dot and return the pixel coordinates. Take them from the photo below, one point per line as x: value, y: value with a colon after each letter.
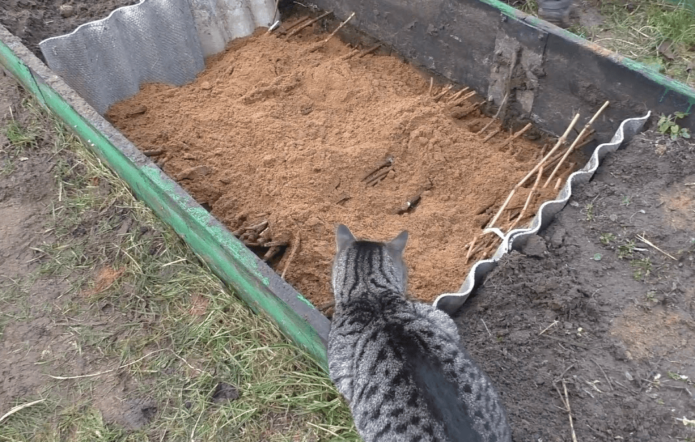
x: 643, y: 268
x: 637, y: 29
x: 638, y: 32
x: 626, y: 250
x: 607, y: 238
x: 19, y: 137
x: 163, y: 309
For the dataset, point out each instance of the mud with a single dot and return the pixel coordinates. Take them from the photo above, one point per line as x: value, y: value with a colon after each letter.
x: 589, y: 303
x: 36, y: 20
x: 282, y: 131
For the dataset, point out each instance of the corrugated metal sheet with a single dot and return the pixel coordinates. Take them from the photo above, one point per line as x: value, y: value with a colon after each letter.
x: 155, y: 41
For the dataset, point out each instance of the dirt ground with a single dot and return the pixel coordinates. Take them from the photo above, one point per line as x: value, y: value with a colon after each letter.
x: 275, y: 131
x: 616, y: 315
x: 36, y: 20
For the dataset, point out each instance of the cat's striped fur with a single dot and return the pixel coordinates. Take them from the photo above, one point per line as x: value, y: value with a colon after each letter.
x: 400, y: 364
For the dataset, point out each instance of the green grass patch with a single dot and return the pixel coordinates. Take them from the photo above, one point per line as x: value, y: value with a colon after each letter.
x: 659, y: 33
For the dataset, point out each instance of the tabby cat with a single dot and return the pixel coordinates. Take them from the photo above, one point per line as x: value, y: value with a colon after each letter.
x: 400, y: 364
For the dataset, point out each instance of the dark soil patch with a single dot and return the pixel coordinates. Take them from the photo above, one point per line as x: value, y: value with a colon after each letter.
x: 624, y: 340
x: 36, y: 20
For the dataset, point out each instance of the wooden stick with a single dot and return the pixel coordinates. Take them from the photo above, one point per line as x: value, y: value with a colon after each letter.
x: 528, y: 200
x: 470, y: 249
x: 466, y: 112
x: 338, y: 28
x: 295, y: 246
x: 464, y: 98
x: 559, y: 181
x: 517, y: 135
x: 458, y: 94
x: 560, y: 141
x: 504, y: 100
x: 431, y: 84
x: 351, y: 54
x: 649, y: 243
x: 579, y: 138
x: 309, y: 23
x: 442, y: 93
x: 569, y: 411
x: 298, y: 22
x: 492, y: 134
x: 370, y: 50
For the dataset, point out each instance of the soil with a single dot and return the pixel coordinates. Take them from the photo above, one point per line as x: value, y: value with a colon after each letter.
x: 276, y: 131
x: 581, y: 303
x: 36, y: 20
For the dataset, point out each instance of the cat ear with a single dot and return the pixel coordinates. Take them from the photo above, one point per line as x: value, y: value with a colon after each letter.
x: 397, y: 244
x: 343, y: 237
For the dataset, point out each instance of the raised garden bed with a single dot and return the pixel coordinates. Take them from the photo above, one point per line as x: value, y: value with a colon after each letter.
x: 468, y: 42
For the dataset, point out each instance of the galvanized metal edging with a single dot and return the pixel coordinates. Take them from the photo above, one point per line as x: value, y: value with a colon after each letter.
x: 450, y: 302
x: 251, y: 279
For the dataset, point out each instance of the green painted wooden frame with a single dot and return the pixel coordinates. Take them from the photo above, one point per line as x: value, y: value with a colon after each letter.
x: 253, y: 281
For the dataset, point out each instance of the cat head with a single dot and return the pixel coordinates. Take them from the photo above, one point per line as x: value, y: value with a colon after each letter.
x: 366, y: 262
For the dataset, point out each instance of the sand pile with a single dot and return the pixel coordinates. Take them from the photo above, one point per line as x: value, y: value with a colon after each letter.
x: 272, y: 131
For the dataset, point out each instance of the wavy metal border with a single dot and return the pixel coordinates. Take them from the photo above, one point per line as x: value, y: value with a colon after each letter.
x: 450, y: 302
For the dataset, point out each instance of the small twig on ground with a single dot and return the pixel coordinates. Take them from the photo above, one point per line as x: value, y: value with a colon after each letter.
x: 605, y: 376
x: 351, y: 54
x: 379, y: 177
x: 442, y: 93
x: 429, y: 92
x: 557, y: 184
x: 458, y: 94
x: 516, y: 135
x: 309, y: 23
x: 414, y: 200
x: 152, y: 152
x: 62, y: 378
x: 14, y: 410
x: 488, y: 330
x: 555, y: 322
x: 578, y: 140
x: 560, y: 141
x: 298, y: 22
x: 370, y: 50
x: 470, y: 249
x: 465, y: 112
x: 569, y: 411
x: 388, y: 163
x: 499, y: 109
x: 649, y: 243
x: 492, y: 134
x: 528, y: 200
x: 295, y: 246
x: 463, y: 99
x: 338, y: 28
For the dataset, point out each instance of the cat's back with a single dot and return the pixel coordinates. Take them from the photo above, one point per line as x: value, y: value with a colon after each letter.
x: 413, y: 381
